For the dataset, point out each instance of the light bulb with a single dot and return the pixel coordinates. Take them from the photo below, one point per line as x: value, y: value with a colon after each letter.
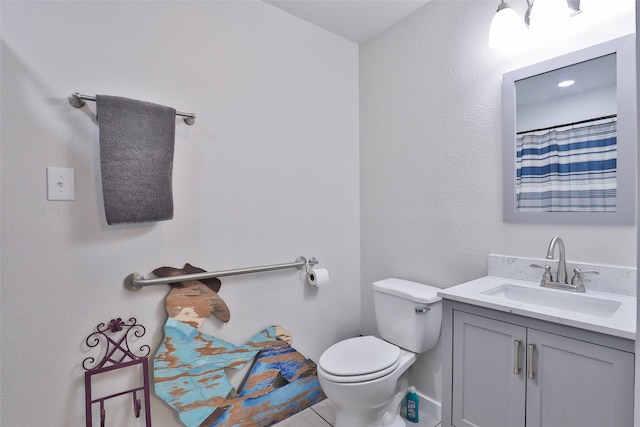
x: 506, y: 28
x: 566, y: 83
x: 549, y: 14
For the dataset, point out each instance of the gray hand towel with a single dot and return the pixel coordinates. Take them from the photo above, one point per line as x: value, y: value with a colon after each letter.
x: 136, y: 159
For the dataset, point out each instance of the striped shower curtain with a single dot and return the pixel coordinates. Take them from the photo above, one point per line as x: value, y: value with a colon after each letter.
x: 568, y: 170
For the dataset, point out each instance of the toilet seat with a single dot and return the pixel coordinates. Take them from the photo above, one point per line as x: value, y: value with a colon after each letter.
x: 359, y: 359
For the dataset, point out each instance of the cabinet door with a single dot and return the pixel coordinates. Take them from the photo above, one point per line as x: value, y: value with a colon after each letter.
x: 488, y: 372
x: 576, y: 383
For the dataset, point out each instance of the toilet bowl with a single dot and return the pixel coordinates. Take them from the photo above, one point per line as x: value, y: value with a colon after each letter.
x: 366, y: 377
x: 363, y: 397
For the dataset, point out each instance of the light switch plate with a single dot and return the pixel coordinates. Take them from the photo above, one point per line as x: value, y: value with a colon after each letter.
x: 61, y: 184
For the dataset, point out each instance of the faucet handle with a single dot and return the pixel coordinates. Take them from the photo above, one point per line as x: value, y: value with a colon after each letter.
x: 577, y: 278
x: 546, y: 276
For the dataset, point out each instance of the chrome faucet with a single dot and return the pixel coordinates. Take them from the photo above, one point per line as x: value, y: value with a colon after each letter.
x: 561, y: 275
x: 576, y: 285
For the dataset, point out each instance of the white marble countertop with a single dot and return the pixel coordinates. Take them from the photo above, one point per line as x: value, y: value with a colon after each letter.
x: 622, y: 323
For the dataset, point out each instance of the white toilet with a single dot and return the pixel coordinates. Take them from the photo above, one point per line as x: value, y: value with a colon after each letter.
x: 365, y: 377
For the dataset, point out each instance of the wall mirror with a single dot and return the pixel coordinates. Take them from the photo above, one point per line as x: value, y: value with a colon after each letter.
x: 569, y: 138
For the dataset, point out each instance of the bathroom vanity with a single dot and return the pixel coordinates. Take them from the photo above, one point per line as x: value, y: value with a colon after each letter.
x: 520, y: 355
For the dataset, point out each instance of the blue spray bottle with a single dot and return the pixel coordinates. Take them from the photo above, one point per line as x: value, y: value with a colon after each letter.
x: 412, y: 405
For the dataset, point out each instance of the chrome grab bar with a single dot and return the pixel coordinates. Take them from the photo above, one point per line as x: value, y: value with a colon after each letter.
x: 135, y: 281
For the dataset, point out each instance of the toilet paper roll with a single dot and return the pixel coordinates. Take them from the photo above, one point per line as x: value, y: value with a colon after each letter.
x: 318, y: 277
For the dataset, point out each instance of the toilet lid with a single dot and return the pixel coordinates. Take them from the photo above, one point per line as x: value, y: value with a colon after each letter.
x: 359, y: 356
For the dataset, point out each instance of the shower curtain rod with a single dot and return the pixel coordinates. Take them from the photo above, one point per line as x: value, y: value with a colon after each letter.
x: 77, y: 100
x: 569, y: 124
x: 135, y: 282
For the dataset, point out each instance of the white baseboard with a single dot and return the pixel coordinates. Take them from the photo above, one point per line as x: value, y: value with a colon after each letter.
x: 430, y: 406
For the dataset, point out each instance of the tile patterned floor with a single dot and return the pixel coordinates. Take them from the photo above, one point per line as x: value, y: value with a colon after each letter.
x: 323, y: 414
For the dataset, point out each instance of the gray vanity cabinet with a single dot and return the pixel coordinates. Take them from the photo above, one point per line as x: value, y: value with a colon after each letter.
x: 576, y: 383
x: 486, y: 391
x: 512, y: 371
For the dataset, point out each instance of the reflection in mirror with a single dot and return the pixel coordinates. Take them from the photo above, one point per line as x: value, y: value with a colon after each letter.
x: 566, y: 139
x: 569, y: 138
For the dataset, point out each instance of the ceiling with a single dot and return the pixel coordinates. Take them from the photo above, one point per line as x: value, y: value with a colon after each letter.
x: 355, y: 20
x: 589, y: 76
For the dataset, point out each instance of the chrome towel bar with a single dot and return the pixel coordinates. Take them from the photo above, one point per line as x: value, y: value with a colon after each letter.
x: 77, y: 100
x: 135, y: 281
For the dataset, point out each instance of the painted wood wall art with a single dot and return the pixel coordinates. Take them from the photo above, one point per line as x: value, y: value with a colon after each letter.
x: 113, y: 339
x: 189, y: 366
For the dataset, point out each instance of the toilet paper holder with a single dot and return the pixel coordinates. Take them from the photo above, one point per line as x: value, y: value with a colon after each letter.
x: 312, y: 261
x: 317, y: 277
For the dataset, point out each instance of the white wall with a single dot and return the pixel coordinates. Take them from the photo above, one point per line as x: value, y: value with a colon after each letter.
x: 268, y: 172
x: 431, y: 154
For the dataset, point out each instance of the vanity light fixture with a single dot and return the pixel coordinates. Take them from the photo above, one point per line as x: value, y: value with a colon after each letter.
x: 547, y: 15
x: 506, y: 28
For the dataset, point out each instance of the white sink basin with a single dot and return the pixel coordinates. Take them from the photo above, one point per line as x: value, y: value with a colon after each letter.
x: 563, y: 300
x: 604, y: 312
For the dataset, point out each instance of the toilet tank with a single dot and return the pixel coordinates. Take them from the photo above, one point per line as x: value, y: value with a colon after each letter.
x: 408, y: 314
